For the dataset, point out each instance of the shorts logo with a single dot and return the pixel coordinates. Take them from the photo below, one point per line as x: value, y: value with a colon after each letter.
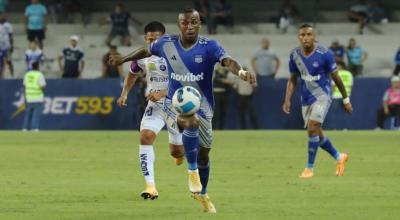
x: 315, y: 64
x: 198, y: 59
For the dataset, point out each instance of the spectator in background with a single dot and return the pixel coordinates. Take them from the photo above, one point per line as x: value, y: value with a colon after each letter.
x: 220, y: 87
x: 120, y: 25
x: 391, y: 103
x: 245, y: 91
x: 36, y: 22
x: 377, y: 12
x: 265, y: 61
x: 3, y: 5
x: 6, y: 44
x: 203, y: 7
x: 3, y: 61
x: 359, y: 13
x: 338, y: 51
x: 337, y: 113
x: 111, y: 71
x: 397, y: 62
x: 34, y: 83
x: 287, y: 13
x: 56, y: 10
x: 33, y: 55
x: 221, y: 14
x: 73, y: 58
x: 356, y: 56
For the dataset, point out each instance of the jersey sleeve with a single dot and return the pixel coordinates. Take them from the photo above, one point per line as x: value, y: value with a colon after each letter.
x: 155, y: 48
x: 27, y: 11
x: 330, y: 64
x: 385, y: 97
x: 41, y: 81
x: 217, y: 52
x: 292, y: 66
x: 135, y: 67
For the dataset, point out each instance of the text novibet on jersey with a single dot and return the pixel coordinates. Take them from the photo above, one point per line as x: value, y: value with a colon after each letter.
x: 83, y: 105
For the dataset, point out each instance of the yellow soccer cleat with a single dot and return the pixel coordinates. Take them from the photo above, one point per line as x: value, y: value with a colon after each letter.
x: 179, y: 160
x: 150, y: 193
x: 194, y: 181
x: 307, y: 173
x: 341, y: 164
x: 205, y: 202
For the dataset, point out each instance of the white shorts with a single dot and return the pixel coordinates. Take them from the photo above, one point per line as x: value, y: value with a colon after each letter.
x: 154, y: 119
x: 316, y: 111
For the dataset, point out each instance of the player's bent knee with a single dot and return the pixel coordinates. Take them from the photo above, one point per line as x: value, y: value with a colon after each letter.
x: 188, y: 121
x: 147, y: 137
x: 176, y: 151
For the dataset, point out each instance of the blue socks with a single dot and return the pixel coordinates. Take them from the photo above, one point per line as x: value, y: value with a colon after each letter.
x: 328, y: 147
x: 313, y: 144
x: 190, y: 139
x: 204, y: 172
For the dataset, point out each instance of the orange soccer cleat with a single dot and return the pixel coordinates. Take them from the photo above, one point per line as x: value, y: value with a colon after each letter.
x: 341, y: 164
x: 179, y: 160
x: 307, y: 173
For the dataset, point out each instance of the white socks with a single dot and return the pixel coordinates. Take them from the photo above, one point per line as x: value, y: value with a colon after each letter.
x: 146, y: 156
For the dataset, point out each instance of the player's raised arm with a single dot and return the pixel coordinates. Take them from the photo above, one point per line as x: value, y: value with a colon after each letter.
x: 137, y: 54
x: 291, y: 85
x: 346, y: 100
x: 236, y: 69
x: 129, y: 82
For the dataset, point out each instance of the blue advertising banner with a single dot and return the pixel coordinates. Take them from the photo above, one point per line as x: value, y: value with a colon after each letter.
x: 91, y: 104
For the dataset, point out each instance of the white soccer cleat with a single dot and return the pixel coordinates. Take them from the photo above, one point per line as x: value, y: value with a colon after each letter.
x: 194, y: 181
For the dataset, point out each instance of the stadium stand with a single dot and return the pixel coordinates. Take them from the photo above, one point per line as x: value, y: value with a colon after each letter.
x: 331, y: 24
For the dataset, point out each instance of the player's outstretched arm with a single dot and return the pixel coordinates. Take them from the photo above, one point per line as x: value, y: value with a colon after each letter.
x: 235, y: 68
x: 346, y: 100
x: 291, y: 85
x: 128, y: 84
x: 135, y: 55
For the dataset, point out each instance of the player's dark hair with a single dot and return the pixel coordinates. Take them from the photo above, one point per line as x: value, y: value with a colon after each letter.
x: 35, y: 65
x: 154, y: 26
x: 305, y: 26
x: 188, y: 10
x: 113, y: 47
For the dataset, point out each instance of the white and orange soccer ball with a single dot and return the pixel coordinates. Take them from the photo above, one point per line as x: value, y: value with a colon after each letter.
x: 186, y: 100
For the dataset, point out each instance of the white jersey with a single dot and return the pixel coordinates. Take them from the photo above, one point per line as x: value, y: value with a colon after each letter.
x: 154, y: 117
x: 5, y: 31
x: 155, y: 69
x: 32, y: 56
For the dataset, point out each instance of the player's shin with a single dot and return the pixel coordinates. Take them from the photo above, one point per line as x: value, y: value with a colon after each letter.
x: 327, y: 145
x: 146, y: 156
x: 204, y: 172
x: 313, y: 144
x: 190, y: 139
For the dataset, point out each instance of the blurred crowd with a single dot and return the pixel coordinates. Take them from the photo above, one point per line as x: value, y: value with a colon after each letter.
x: 265, y: 61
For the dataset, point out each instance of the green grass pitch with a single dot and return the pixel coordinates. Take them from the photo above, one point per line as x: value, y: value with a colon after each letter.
x: 96, y: 175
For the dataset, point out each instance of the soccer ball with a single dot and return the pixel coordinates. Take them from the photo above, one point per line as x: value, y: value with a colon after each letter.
x: 186, y: 100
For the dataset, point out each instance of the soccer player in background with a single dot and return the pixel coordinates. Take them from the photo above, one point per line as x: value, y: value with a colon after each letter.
x: 315, y: 65
x: 191, y: 59
x: 154, y: 119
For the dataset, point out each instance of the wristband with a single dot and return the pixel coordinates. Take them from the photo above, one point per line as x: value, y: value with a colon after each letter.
x: 346, y: 100
x: 242, y: 72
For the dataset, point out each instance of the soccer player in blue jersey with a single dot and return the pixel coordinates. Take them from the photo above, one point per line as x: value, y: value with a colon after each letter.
x: 315, y: 65
x: 191, y: 59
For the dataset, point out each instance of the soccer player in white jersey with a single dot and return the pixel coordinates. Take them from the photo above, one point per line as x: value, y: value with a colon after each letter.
x: 315, y: 65
x: 191, y: 59
x: 154, y: 118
